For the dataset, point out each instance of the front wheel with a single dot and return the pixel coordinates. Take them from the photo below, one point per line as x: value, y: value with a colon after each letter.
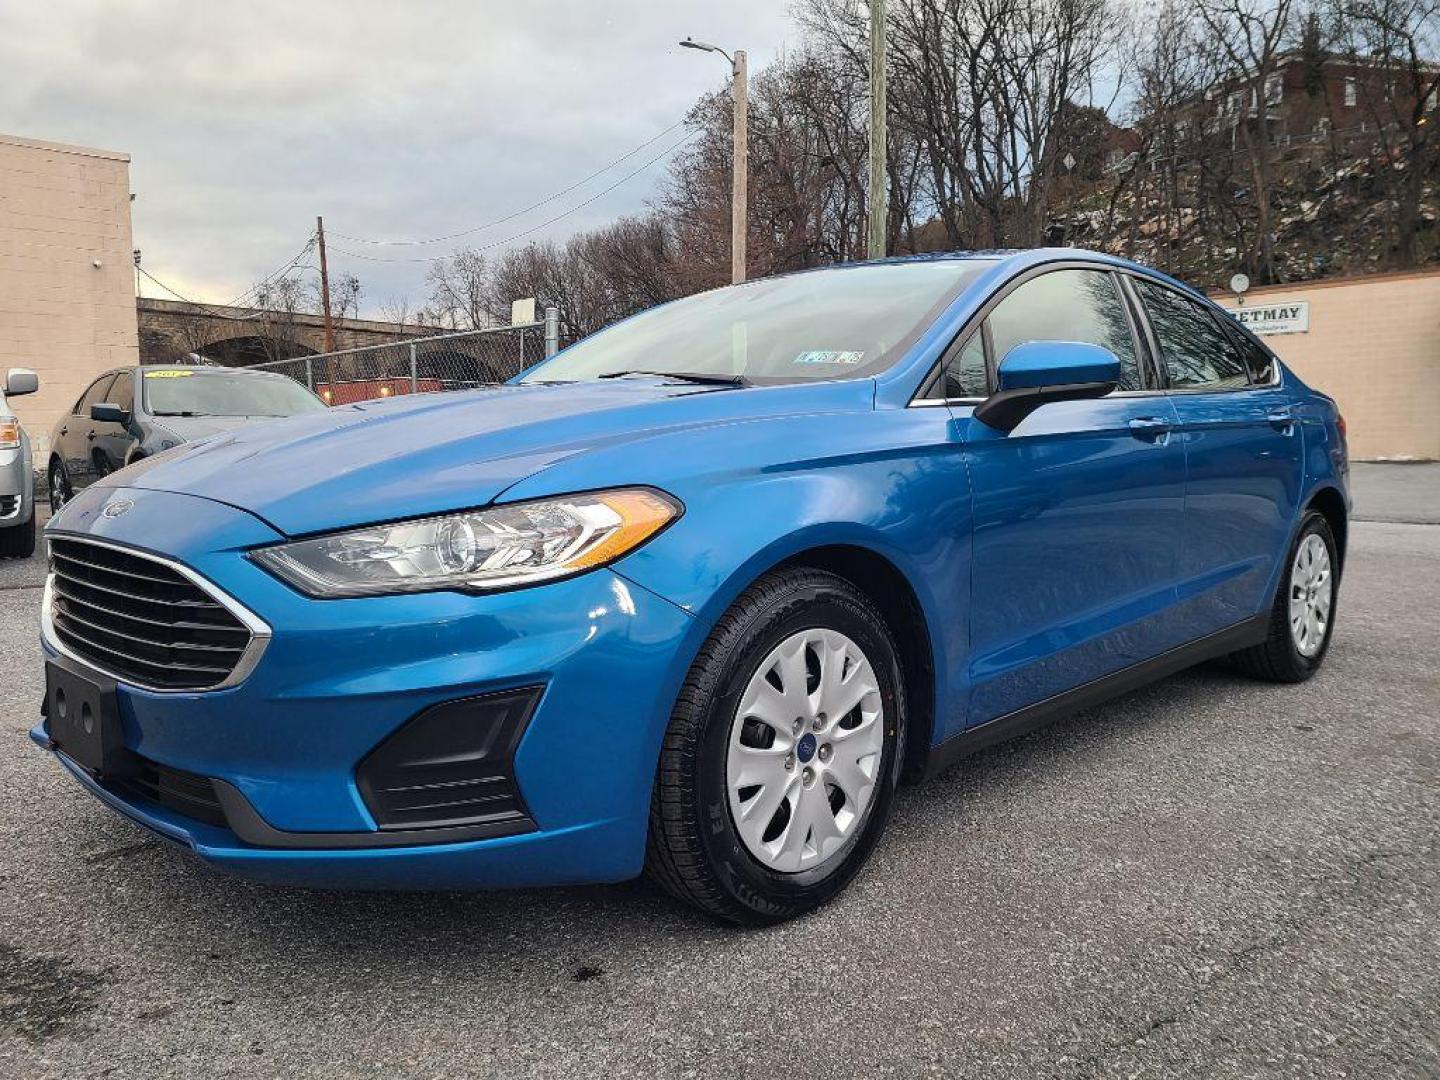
x: 780, y: 762
x: 1302, y: 617
x: 59, y: 486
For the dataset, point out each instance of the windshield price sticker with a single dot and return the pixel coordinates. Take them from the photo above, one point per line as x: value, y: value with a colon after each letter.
x: 168, y: 374
x: 830, y: 356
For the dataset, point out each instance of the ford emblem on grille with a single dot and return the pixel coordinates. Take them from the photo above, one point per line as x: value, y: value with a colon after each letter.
x: 118, y: 507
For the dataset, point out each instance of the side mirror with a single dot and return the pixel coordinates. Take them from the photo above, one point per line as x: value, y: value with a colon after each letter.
x: 1037, y: 372
x: 21, y: 381
x: 109, y: 413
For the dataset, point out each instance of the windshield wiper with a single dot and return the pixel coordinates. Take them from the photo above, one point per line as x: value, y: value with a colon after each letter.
x: 685, y: 376
x: 183, y: 413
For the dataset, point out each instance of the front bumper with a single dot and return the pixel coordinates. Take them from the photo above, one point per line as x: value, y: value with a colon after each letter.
x: 340, y: 676
x: 17, y: 487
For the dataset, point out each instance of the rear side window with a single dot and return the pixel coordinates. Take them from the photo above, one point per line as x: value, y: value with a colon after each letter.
x: 1198, y: 354
x: 98, y: 389
x: 1258, y: 362
x: 1068, y: 305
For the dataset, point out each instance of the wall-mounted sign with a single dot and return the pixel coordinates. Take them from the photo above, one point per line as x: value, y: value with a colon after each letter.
x: 1292, y: 317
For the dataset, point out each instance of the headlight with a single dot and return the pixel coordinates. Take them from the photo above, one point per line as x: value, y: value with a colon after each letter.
x: 9, y: 434
x: 503, y: 547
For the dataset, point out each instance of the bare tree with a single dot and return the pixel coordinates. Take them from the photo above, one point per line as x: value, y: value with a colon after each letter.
x: 1393, y: 44
x: 1248, y: 38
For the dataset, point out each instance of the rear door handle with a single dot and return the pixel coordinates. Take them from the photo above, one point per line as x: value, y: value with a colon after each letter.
x: 1282, y: 419
x: 1150, y: 428
x: 90, y: 436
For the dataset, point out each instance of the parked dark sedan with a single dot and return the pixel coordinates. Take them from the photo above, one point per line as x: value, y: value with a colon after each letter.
x: 110, y: 425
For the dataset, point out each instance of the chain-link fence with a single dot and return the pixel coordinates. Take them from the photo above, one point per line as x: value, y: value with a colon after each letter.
x: 420, y: 365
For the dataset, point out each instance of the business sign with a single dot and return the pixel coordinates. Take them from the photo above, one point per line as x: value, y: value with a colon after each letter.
x: 1286, y: 318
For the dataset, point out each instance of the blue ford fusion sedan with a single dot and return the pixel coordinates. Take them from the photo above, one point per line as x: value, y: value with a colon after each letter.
x: 692, y: 597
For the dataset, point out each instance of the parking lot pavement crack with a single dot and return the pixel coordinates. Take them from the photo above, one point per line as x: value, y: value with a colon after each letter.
x: 1104, y: 1061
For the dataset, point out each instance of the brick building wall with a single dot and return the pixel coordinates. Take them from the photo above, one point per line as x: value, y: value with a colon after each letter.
x: 1374, y: 346
x: 63, y: 209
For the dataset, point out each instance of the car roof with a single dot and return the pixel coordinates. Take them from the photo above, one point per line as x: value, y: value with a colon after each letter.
x: 1014, y: 260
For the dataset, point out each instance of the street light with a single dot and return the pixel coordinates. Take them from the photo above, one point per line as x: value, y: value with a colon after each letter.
x: 741, y: 153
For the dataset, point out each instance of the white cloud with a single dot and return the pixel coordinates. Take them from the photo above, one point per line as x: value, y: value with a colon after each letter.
x: 246, y: 119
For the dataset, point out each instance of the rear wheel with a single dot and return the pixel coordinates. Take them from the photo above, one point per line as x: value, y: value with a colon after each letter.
x: 18, y: 541
x: 781, y: 758
x: 1302, y: 617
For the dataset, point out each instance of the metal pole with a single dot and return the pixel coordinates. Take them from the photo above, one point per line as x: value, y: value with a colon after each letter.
x: 309, y: 374
x: 875, y: 246
x: 414, y: 371
x: 739, y: 192
x: 552, y: 331
x: 325, y: 286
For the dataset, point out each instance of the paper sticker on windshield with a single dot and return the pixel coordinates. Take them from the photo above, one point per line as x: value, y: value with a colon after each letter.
x: 168, y: 374
x: 830, y: 356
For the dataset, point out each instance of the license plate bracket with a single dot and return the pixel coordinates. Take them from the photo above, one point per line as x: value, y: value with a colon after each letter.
x: 82, y: 715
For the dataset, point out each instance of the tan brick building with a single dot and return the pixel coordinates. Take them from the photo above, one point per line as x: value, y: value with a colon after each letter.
x: 67, y: 285
x: 1372, y: 343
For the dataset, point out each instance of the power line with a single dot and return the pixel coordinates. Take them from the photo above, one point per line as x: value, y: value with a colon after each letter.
x: 518, y: 213
x: 534, y: 228
x: 255, y: 289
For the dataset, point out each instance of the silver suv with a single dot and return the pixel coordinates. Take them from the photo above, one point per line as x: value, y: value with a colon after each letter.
x: 17, y: 474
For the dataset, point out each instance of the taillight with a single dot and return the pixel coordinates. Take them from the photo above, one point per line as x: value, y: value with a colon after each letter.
x: 1340, y: 426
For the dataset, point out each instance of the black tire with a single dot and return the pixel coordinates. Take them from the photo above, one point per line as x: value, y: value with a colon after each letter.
x: 1277, y: 659
x: 694, y: 851
x: 18, y: 541
x: 57, y: 477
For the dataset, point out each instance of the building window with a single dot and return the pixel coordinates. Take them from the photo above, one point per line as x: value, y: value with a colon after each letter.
x: 1352, y: 93
x: 1274, y: 90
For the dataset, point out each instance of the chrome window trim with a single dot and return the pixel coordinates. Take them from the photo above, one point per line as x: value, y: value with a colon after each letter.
x: 260, y: 631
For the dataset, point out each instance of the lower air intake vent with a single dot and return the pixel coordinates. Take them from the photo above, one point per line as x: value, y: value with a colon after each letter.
x: 451, y: 764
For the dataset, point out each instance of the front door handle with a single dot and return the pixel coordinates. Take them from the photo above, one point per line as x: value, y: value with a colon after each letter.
x: 1150, y: 428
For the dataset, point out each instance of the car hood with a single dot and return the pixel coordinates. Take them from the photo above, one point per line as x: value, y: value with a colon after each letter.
x: 432, y: 453
x: 190, y: 428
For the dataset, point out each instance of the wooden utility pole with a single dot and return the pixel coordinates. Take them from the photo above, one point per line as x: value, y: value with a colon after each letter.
x: 879, y: 212
x: 739, y: 190
x: 325, y: 286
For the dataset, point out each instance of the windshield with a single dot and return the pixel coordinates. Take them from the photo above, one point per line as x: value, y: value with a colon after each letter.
x: 831, y: 324
x: 170, y: 392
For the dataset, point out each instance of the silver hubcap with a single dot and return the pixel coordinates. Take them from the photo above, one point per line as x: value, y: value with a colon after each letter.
x: 57, y: 492
x: 1311, y: 592
x: 805, y: 749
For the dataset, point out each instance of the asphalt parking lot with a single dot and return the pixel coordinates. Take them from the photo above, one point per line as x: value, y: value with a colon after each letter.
x: 1209, y: 878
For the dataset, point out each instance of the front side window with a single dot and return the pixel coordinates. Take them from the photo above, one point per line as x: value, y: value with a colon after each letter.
x: 1068, y: 305
x: 98, y: 389
x: 1198, y: 354
x: 122, y: 392
x: 829, y: 324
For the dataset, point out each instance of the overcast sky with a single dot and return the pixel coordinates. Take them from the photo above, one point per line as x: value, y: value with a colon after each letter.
x: 396, y: 120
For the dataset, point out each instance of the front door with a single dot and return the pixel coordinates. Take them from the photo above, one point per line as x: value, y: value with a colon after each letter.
x: 1244, y: 449
x: 1077, y: 512
x: 113, y: 441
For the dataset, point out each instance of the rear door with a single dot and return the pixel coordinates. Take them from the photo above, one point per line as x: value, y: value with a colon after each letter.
x: 1244, y: 453
x: 1077, y: 512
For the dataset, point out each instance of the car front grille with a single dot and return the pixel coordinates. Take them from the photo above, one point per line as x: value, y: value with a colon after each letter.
x: 141, y: 620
